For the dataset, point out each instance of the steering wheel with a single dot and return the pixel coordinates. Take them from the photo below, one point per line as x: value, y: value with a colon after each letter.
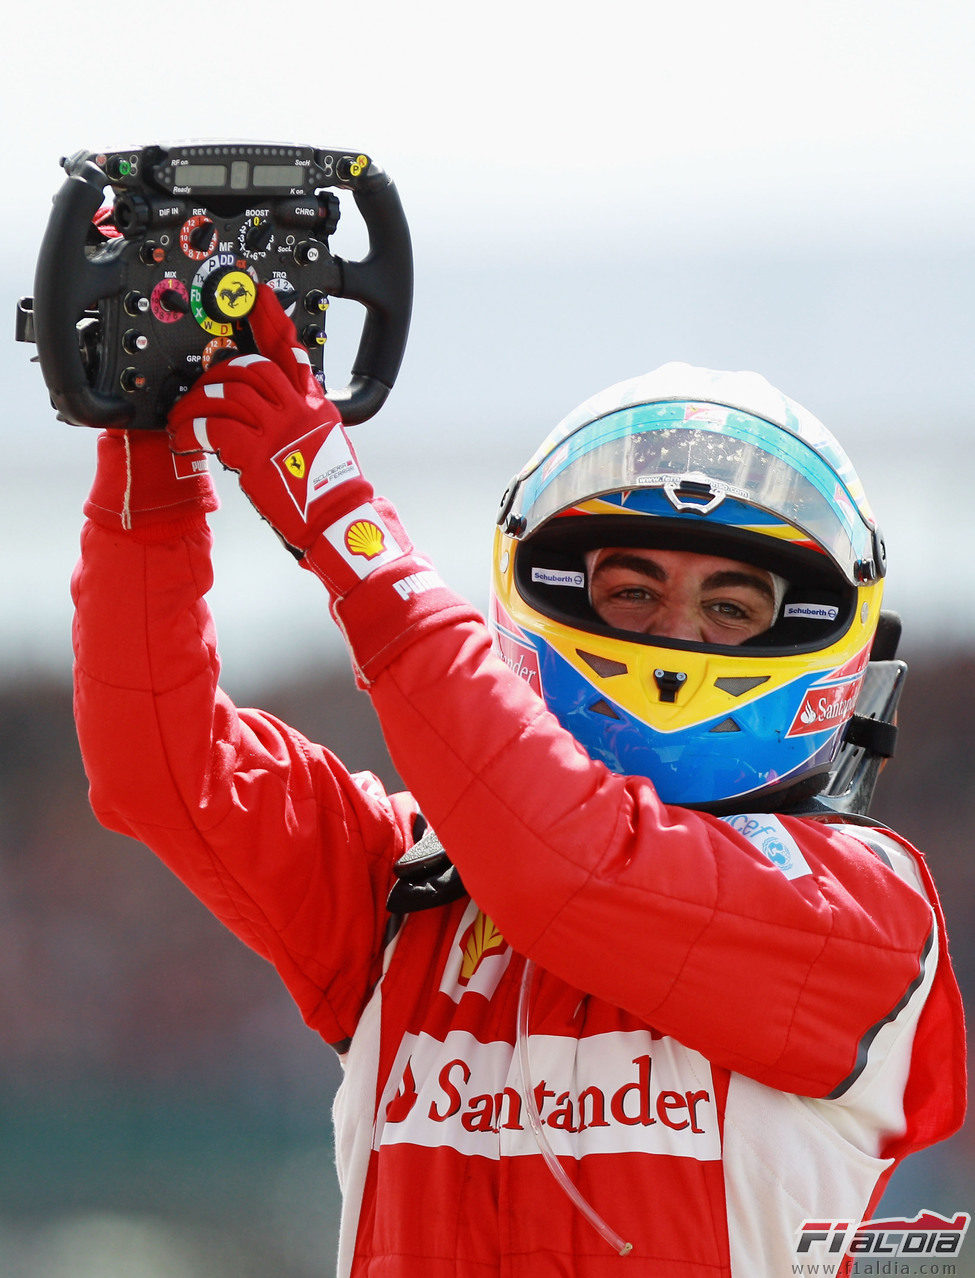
x: 129, y: 309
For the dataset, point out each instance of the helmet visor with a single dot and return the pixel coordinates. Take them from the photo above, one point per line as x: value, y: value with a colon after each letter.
x: 710, y: 461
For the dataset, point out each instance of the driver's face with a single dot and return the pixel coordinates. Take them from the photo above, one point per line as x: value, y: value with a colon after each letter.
x: 679, y: 594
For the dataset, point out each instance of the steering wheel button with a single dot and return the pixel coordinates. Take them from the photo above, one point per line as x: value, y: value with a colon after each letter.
x: 307, y: 252
x: 133, y: 341
x: 316, y: 302
x: 131, y: 380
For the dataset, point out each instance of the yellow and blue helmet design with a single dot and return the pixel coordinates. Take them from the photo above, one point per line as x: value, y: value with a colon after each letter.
x: 722, y: 464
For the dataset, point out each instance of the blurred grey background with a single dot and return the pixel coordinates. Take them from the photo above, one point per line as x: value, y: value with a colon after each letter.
x: 781, y: 186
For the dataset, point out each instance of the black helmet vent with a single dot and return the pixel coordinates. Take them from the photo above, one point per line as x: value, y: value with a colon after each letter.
x: 603, y: 666
x: 737, y: 686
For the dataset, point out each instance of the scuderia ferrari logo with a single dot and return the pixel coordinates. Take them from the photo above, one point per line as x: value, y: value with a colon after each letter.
x: 313, y: 466
x: 295, y: 462
x: 236, y: 294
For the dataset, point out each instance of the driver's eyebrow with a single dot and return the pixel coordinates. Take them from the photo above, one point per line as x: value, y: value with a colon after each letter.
x: 734, y: 577
x: 636, y: 563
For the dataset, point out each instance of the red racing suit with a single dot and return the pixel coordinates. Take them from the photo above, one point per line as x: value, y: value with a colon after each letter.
x: 705, y: 1046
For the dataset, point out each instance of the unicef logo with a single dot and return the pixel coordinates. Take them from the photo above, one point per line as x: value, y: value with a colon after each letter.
x: 769, y: 841
x: 776, y: 851
x: 774, y: 842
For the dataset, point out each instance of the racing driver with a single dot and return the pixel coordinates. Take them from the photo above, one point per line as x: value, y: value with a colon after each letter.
x: 612, y: 984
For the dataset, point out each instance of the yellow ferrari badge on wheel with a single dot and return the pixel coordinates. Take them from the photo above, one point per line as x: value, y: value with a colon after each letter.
x: 236, y: 295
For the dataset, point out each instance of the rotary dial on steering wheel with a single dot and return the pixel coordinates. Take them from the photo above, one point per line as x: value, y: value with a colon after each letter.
x: 223, y: 291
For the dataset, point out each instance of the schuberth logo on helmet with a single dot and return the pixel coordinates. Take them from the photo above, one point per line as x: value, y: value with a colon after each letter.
x: 558, y: 577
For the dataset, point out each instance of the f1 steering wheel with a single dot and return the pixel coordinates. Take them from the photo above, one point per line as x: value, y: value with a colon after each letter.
x: 131, y: 302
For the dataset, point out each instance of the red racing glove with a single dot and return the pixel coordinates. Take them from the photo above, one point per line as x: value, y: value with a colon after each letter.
x: 266, y: 418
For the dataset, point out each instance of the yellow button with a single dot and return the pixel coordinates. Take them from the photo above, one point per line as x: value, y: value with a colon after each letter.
x: 236, y: 294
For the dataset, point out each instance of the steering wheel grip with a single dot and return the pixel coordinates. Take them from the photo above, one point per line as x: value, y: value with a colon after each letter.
x: 67, y: 283
x: 383, y: 282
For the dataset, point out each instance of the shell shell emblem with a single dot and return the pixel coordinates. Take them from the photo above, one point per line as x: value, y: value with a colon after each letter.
x: 365, y: 538
x: 481, y: 939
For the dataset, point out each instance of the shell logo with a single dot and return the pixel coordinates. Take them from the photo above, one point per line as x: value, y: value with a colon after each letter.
x: 481, y: 939
x: 365, y: 538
